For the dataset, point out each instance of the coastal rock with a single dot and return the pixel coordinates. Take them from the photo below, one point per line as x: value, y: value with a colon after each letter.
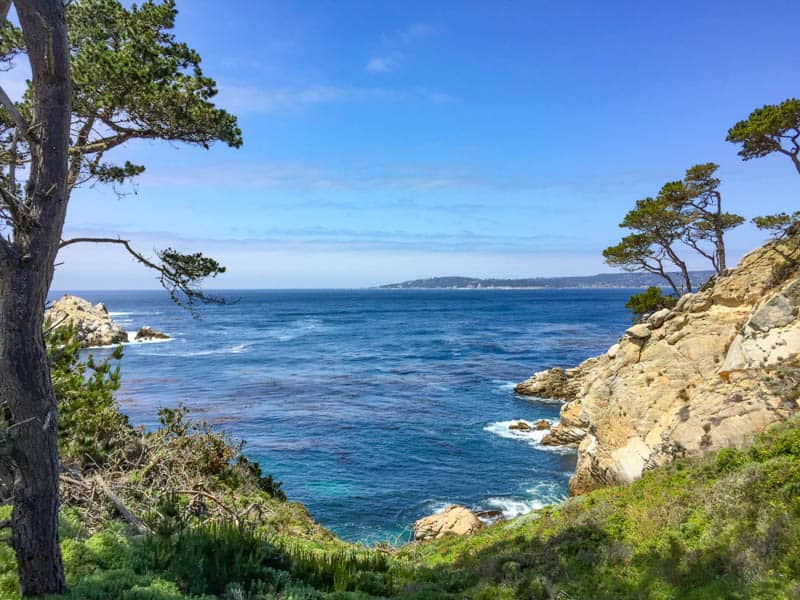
x: 639, y: 332
x: 545, y: 384
x: 519, y: 426
x: 148, y: 333
x: 561, y: 435
x: 92, y: 324
x: 453, y: 520
x: 555, y: 383
x: 657, y: 319
x: 541, y: 425
x: 719, y: 370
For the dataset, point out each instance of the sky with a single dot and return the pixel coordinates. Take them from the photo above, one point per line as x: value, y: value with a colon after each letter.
x: 386, y: 141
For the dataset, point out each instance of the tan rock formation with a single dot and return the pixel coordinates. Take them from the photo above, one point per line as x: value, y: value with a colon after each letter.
x: 92, y: 323
x: 453, y: 520
x: 687, y: 380
x: 555, y: 383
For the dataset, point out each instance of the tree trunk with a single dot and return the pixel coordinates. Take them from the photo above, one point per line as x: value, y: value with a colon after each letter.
x: 721, y: 265
x: 26, y: 270
x: 33, y: 444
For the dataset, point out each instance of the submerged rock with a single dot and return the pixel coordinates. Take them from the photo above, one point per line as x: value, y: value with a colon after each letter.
x: 148, y: 333
x: 453, y: 520
x: 92, y: 324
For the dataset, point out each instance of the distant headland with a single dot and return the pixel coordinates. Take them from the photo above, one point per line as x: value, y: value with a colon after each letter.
x: 602, y: 280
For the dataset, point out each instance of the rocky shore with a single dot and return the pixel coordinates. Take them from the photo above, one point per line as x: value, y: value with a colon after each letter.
x: 92, y: 324
x: 710, y: 373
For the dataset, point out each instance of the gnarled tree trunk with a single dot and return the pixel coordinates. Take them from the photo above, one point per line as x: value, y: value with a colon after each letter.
x: 26, y: 270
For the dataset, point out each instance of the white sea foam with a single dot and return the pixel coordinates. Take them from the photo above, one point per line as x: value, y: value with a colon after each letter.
x: 119, y: 314
x: 539, y: 496
x: 511, y: 507
x: 504, y: 386
x: 531, y: 436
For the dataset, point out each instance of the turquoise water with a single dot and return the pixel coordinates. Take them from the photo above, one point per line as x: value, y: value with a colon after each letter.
x: 374, y: 407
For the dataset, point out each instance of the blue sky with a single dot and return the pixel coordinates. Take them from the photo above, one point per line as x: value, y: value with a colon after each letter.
x: 393, y: 140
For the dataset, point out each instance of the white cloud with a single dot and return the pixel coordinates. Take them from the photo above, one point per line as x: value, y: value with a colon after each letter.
x: 254, y: 99
x: 382, y: 64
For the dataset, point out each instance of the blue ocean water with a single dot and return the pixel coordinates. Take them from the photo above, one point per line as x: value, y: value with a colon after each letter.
x: 374, y: 407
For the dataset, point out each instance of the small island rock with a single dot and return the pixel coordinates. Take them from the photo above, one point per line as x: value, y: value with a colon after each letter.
x: 519, y: 426
x: 92, y: 324
x: 148, y: 333
x: 453, y: 520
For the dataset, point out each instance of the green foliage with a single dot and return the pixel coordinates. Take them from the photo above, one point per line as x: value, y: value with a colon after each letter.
x: 207, y: 559
x: 180, y: 273
x: 91, y: 427
x: 132, y: 75
x: 688, y: 212
x: 656, y: 227
x: 769, y: 129
x: 649, y: 301
x: 132, y: 79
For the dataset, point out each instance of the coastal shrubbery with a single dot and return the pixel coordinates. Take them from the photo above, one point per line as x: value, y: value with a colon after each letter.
x: 649, y: 301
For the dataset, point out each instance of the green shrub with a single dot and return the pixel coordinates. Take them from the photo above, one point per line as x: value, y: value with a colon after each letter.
x: 649, y: 301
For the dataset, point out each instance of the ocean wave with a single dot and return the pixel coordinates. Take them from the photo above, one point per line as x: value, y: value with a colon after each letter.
x: 504, y: 386
x: 538, y: 496
x: 533, y: 437
x: 295, y: 329
x: 237, y: 349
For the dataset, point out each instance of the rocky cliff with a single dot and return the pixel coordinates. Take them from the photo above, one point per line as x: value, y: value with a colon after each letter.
x: 720, y: 367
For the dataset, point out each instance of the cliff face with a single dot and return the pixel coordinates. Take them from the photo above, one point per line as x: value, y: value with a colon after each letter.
x: 717, y: 369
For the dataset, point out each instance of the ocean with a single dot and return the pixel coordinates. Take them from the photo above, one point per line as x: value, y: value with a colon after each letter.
x: 373, y: 407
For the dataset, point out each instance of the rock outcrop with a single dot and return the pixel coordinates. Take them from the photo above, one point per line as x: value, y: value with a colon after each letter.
x: 695, y: 378
x: 453, y: 520
x: 555, y: 383
x: 92, y: 323
x: 148, y: 333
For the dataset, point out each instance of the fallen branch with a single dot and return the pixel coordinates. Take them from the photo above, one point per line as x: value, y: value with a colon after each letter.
x: 120, y: 506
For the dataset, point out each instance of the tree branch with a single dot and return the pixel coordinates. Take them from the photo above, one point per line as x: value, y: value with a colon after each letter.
x: 22, y: 125
x: 180, y: 274
x: 99, y: 240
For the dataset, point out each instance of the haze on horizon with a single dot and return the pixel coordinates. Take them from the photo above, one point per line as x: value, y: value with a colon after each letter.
x: 395, y: 141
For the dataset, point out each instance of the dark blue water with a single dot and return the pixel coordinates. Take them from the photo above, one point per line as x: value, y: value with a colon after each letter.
x: 374, y: 407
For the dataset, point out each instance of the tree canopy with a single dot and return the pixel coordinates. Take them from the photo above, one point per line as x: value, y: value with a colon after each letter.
x: 132, y: 79
x: 686, y: 212
x: 769, y: 129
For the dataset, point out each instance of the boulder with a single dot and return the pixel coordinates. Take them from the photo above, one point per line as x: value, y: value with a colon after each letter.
x: 453, y: 520
x: 639, y: 332
x: 92, y: 324
x: 657, y: 319
x: 519, y: 426
x: 148, y: 333
x: 541, y: 425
